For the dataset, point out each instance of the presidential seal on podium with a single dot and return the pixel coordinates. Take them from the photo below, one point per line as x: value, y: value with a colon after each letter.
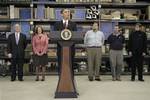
x: 66, y: 34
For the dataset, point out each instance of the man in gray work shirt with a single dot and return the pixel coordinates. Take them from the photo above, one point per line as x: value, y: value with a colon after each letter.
x: 93, y: 40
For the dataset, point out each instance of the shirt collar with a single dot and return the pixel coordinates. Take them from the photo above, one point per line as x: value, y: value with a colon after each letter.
x: 65, y: 21
x: 116, y: 34
x: 95, y: 31
x: 17, y: 33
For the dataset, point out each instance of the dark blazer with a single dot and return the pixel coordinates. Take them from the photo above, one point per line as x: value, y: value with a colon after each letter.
x: 59, y: 26
x: 137, y: 42
x: 17, y: 51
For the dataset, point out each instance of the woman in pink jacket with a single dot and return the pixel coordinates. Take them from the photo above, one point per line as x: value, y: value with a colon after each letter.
x: 40, y: 48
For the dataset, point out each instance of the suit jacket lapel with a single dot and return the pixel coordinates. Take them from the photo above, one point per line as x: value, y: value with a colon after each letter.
x: 14, y: 38
x: 68, y: 24
x: 62, y: 25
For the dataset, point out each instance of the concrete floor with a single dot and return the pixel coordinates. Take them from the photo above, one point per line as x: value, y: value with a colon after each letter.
x: 104, y: 90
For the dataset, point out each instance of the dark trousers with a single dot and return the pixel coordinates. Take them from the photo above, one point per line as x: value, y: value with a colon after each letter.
x: 17, y: 65
x: 137, y: 63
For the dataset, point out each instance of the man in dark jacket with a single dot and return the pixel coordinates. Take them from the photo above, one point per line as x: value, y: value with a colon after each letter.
x: 137, y: 49
x: 65, y: 23
x: 116, y: 41
x: 16, y: 46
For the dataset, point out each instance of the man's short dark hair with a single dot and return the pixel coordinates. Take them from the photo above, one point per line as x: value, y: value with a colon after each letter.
x: 62, y: 10
x: 138, y: 24
x: 96, y: 22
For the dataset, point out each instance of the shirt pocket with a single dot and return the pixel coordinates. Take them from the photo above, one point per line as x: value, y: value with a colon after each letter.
x: 91, y: 37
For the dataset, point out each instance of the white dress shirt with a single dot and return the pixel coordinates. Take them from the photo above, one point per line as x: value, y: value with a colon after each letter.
x: 66, y: 22
x: 94, y: 39
x: 17, y: 35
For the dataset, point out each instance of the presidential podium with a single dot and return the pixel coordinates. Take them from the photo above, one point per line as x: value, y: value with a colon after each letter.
x: 66, y: 87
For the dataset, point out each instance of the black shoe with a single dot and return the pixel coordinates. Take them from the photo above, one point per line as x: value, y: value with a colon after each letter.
x: 20, y: 79
x: 132, y: 79
x: 118, y: 79
x: 98, y: 79
x: 13, y: 80
x: 90, y: 79
x: 37, y: 79
x: 142, y: 80
x: 42, y: 79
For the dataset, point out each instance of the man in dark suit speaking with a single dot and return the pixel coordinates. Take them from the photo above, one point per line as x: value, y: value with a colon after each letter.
x: 65, y: 23
x: 16, y: 46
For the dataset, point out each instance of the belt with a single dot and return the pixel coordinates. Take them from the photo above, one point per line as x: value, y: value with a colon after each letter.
x: 94, y: 47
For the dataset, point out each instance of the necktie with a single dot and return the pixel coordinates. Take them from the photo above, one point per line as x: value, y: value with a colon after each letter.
x: 65, y: 24
x: 17, y: 38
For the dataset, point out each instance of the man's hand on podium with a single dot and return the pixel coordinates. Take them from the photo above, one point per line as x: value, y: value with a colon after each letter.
x: 143, y: 54
x: 9, y: 55
x: 130, y: 53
